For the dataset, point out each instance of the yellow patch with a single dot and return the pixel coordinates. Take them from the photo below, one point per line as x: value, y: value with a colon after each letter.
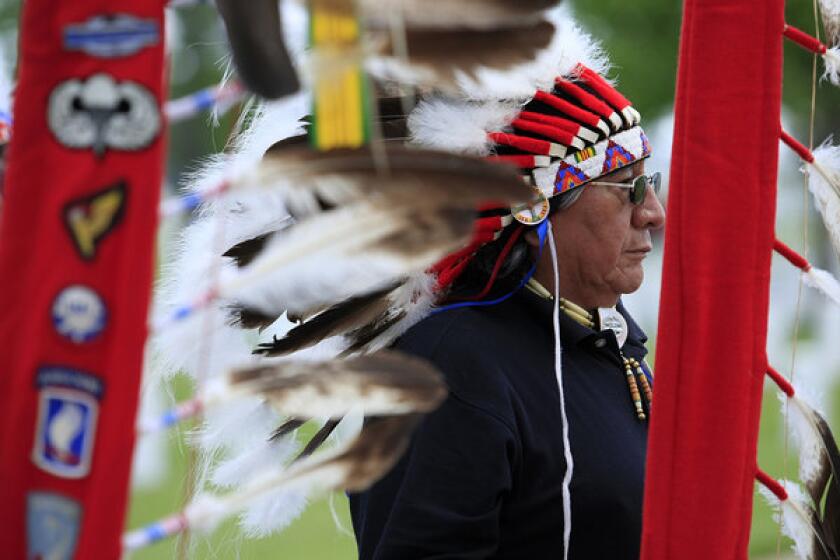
x: 90, y: 219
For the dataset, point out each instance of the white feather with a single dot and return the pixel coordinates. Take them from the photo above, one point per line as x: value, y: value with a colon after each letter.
x: 205, y: 513
x: 830, y: 11
x: 823, y: 281
x: 459, y: 126
x: 790, y: 514
x: 238, y: 469
x: 197, y: 263
x: 293, y: 272
x: 831, y: 58
x: 274, y: 511
x: 824, y: 184
x: 803, y: 431
x: 238, y: 424
x: 151, y: 454
x: 278, y: 508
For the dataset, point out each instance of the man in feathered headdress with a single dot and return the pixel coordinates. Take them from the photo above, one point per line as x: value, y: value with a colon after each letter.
x: 532, y: 453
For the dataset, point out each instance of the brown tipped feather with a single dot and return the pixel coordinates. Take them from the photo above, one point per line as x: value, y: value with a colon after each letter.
x: 441, y: 55
x: 379, y: 446
x: 413, y: 177
x: 377, y: 449
x: 442, y: 14
x: 339, y: 319
x: 405, y: 217
x: 385, y: 382
x: 367, y: 334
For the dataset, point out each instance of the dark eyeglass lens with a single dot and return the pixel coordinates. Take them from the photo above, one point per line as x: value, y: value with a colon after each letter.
x: 637, y: 194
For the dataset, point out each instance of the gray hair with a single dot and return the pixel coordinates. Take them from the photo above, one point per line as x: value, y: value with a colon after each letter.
x: 566, y: 199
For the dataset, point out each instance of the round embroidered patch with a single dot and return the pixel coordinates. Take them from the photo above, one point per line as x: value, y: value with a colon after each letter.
x: 533, y: 213
x: 78, y: 313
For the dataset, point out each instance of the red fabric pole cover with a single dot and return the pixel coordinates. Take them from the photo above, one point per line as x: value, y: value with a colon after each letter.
x: 82, y: 190
x: 713, y: 317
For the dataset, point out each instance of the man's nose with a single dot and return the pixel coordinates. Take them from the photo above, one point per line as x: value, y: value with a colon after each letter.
x: 650, y: 214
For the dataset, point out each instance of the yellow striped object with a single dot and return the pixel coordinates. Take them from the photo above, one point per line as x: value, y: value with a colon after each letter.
x: 340, y: 112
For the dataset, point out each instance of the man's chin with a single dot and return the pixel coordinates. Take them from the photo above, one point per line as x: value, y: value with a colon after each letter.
x: 631, y: 280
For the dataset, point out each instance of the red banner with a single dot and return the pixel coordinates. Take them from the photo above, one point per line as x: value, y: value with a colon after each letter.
x: 710, y: 359
x: 77, y: 236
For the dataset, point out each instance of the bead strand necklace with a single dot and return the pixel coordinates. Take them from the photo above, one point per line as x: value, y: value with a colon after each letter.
x: 634, y: 373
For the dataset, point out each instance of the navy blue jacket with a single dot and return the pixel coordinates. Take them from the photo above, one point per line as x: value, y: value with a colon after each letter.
x: 483, y: 476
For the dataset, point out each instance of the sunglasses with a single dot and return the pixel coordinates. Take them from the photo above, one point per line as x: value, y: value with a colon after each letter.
x: 638, y: 186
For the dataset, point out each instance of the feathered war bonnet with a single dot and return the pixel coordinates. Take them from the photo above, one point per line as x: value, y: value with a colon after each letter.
x: 554, y: 118
x: 558, y: 121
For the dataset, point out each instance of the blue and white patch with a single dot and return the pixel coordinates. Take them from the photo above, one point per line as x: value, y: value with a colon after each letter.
x: 52, y: 526
x: 112, y: 36
x: 79, y: 314
x: 68, y: 410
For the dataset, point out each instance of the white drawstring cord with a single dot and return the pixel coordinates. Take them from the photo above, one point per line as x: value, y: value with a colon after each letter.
x: 558, y: 372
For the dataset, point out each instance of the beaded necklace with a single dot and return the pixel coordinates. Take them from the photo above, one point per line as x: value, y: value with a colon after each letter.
x: 633, y: 371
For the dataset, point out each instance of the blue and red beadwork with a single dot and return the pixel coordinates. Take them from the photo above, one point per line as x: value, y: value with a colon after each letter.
x: 616, y: 157
x: 568, y: 177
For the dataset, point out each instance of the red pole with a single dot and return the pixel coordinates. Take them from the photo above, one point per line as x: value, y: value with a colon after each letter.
x: 713, y: 319
x: 79, y: 216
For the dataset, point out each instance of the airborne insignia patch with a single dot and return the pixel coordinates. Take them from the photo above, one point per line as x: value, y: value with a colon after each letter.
x: 91, y: 218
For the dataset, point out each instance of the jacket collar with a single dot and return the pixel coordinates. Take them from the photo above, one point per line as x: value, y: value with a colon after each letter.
x: 572, y: 332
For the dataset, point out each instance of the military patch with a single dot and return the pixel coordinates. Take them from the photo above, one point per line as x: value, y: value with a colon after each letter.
x: 65, y: 431
x: 78, y: 313
x: 91, y: 218
x: 111, y: 36
x: 100, y: 113
x: 52, y: 526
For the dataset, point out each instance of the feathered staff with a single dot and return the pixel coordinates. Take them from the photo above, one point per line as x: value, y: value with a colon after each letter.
x: 338, y: 241
x: 701, y: 458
